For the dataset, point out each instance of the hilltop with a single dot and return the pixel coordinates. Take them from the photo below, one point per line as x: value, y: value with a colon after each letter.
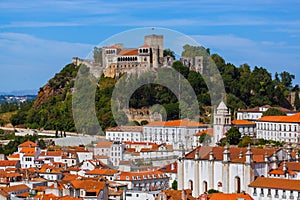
x: 52, y: 108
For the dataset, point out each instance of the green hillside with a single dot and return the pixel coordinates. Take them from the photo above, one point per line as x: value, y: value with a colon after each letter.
x: 245, y: 87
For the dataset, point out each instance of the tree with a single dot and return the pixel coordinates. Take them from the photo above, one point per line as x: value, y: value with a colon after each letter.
x: 274, y: 112
x: 246, y: 140
x: 204, y: 139
x: 287, y: 79
x: 212, y: 191
x: 174, y: 185
x: 144, y: 122
x: 233, y: 136
x: 297, y: 100
x: 169, y: 52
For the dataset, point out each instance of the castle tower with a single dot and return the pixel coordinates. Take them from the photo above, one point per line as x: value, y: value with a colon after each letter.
x: 222, y: 121
x: 156, y: 43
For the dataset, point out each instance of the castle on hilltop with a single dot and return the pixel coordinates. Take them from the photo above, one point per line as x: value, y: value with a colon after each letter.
x: 116, y: 59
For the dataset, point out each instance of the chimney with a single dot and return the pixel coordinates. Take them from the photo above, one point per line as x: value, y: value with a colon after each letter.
x: 266, y: 158
x: 284, y: 168
x: 297, y: 155
x: 172, y: 166
x: 183, y: 195
x: 249, y: 155
x: 241, y: 154
x: 274, y: 161
x: 211, y: 155
x: 226, y: 154
x: 197, y: 154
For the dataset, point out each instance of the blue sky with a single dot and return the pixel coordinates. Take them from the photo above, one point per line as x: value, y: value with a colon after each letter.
x: 38, y: 38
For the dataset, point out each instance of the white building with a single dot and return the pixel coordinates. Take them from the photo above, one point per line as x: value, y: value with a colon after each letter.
x: 124, y: 133
x: 255, y: 113
x: 245, y: 127
x: 229, y: 170
x: 102, y: 148
x: 175, y: 132
x: 116, y: 153
x: 222, y: 122
x: 29, y: 152
x: 275, y: 188
x: 143, y: 180
x: 279, y: 128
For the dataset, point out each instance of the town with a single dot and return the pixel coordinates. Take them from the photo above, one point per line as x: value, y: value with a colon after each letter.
x: 250, y: 154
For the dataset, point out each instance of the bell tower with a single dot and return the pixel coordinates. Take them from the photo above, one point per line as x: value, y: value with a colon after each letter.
x: 222, y: 122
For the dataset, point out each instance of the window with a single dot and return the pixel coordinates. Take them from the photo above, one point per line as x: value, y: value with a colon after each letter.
x: 261, y: 192
x: 269, y: 192
x: 254, y: 191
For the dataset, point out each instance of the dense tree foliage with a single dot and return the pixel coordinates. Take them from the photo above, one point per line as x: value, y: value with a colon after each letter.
x: 233, y: 136
x: 274, y: 112
x: 12, y: 146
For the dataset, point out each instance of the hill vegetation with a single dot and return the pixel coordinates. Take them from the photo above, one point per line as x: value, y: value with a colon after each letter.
x: 245, y: 87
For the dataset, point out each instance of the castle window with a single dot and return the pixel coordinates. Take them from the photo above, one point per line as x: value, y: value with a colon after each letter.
x: 145, y: 59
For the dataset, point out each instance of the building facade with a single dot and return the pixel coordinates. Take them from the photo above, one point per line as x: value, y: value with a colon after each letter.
x: 176, y: 132
x: 279, y: 128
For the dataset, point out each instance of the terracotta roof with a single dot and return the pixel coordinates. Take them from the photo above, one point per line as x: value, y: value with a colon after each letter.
x: 105, y: 172
x: 170, y: 168
x: 145, y: 46
x: 104, y: 144
x: 54, y: 153
x: 242, y: 122
x: 46, y: 197
x: 15, y: 188
x: 141, y: 175
x: 281, y: 172
x: 177, y: 123
x: 15, y: 155
x: 258, y: 154
x: 218, y: 196
x: 294, y: 166
x: 139, y: 143
x: 290, y: 119
x: 89, y: 185
x: 28, y: 144
x: 128, y: 52
x: 276, y: 183
x: 112, y: 47
x: 209, y: 131
x: 4, y: 193
x: 126, y: 129
x: 6, y: 163
x: 28, y: 151
x: 177, y: 194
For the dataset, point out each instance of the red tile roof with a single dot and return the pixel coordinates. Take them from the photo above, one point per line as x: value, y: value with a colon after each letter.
x: 258, y: 154
x: 176, y: 123
x: 289, y: 119
x: 15, y: 188
x: 28, y: 144
x: 128, y: 52
x: 276, y: 183
x: 170, y: 168
x: 104, y: 172
x: 219, y: 196
x: 89, y: 185
x: 145, y: 46
x: 242, y: 122
x: 126, y: 129
x: 8, y: 163
x: 28, y: 151
x: 104, y: 144
x: 208, y: 131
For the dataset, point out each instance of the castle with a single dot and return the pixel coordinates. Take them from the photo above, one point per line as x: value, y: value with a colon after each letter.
x: 116, y: 59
